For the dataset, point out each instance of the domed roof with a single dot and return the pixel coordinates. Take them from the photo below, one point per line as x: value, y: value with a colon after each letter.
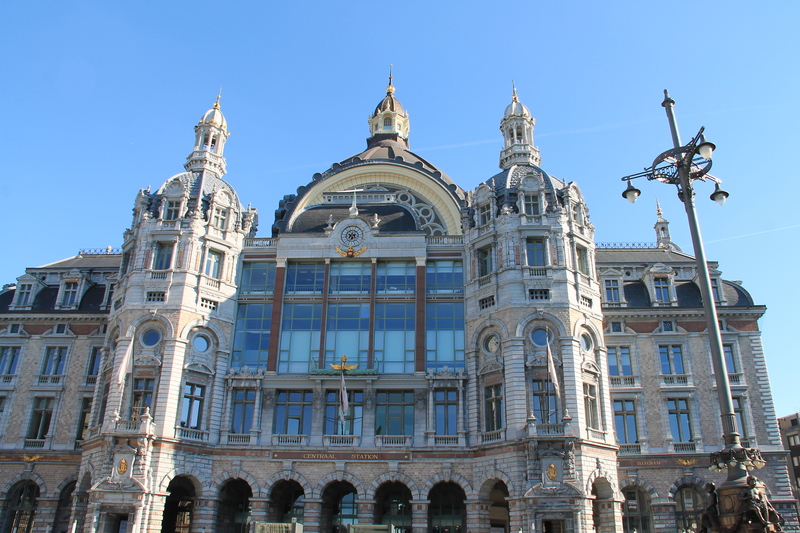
x: 516, y: 108
x: 389, y: 102
x: 215, y: 116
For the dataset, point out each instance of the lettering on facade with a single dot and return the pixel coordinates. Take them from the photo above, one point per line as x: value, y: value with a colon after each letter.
x: 341, y: 456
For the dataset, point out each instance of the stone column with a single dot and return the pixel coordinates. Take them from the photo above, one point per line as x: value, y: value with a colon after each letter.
x: 366, y: 512
x: 477, y: 516
x: 45, y: 514
x: 312, y: 515
x: 419, y: 516
x: 259, y: 509
x: 204, y: 515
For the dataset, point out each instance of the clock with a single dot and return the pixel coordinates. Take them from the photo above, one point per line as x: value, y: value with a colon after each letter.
x: 352, y: 236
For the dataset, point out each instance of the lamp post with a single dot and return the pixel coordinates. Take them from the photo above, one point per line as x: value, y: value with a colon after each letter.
x: 682, y: 166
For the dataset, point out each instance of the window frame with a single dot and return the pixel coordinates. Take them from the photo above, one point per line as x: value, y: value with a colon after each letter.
x: 192, y: 403
x: 494, y: 414
x: 393, y: 409
x: 680, y: 419
x: 293, y: 407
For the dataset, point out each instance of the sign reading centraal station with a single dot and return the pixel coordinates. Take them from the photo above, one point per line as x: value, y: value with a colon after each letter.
x: 341, y: 456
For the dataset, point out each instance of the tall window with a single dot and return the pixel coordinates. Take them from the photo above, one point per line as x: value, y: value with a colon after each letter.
x: 41, y: 417
x: 304, y: 278
x: 20, y: 507
x: 54, y: 359
x: 394, y: 413
x: 387, y: 123
x: 444, y: 336
x: 353, y: 417
x: 680, y: 419
x: 730, y: 361
x: 671, y: 359
x: 661, y: 286
x: 172, y: 210
x: 715, y: 289
x: 293, y: 412
x: 70, y: 294
x: 213, y: 263
x: 493, y: 398
x: 243, y: 403
x: 532, y: 204
x: 484, y: 214
x: 142, y: 397
x: 583, y: 260
x: 485, y: 261
x: 83, y: 419
x: 394, y: 337
x: 95, y: 358
x: 257, y: 278
x: 347, y: 332
x: 350, y: 278
x: 625, y: 421
x: 251, y: 337
x: 612, y: 290
x: 590, y: 405
x: 544, y: 401
x: 444, y: 277
x: 9, y: 356
x: 300, y: 334
x: 619, y: 361
x: 396, y: 277
x: 24, y: 294
x: 535, y: 249
x: 689, y: 503
x: 192, y: 407
x: 738, y: 411
x: 163, y: 257
x: 220, y: 218
x: 636, y: 511
x: 446, y: 411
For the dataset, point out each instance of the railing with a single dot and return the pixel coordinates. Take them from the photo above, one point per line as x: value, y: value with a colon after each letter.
x: 216, y: 232
x: 34, y: 444
x: 108, y: 250
x: 393, y: 441
x: 78, y: 444
x: 341, y: 440
x: 536, y: 272
x: 445, y: 440
x: 192, y: 434
x: 596, y: 434
x: 291, y: 440
x: 619, y: 245
x: 50, y: 380
x: 484, y: 281
x: 549, y: 429
x: 168, y: 224
x: 159, y: 274
x: 444, y: 239
x: 259, y: 243
x: 211, y: 282
x: 684, y: 447
x: 238, y: 438
x: 624, y: 381
x: 492, y: 436
x: 675, y: 379
x: 90, y: 380
x: 7, y: 378
x: 127, y: 425
x: 736, y: 379
x: 626, y: 449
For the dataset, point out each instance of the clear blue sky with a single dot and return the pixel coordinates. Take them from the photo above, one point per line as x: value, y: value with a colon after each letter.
x: 100, y: 99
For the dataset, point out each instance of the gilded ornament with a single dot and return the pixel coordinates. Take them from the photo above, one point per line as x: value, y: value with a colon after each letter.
x: 552, y: 471
x: 122, y: 467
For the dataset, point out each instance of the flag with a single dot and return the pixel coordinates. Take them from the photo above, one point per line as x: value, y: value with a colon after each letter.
x: 551, y: 370
x: 125, y: 364
x: 343, y: 406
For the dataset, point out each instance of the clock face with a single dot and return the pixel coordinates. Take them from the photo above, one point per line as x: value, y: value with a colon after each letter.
x: 352, y: 236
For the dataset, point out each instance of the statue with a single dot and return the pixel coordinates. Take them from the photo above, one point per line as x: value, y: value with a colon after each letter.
x: 755, y: 508
x: 710, y: 518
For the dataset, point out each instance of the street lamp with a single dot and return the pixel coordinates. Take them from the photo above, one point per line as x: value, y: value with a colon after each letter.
x: 682, y: 166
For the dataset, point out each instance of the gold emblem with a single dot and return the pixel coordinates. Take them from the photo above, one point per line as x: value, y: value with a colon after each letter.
x: 351, y: 252
x: 687, y: 462
x: 122, y: 467
x: 31, y: 458
x: 552, y: 471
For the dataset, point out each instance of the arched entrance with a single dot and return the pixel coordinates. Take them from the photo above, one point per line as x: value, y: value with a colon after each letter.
x: 179, y: 506
x: 498, y: 511
x: 636, y: 514
x: 393, y: 506
x: 689, y: 503
x: 603, y: 505
x: 446, y: 511
x: 339, y: 507
x: 233, y: 515
x: 287, y: 502
x: 64, y: 509
x: 20, y: 507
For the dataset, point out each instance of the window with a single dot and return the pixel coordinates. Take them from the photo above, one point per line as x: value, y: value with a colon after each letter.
x: 61, y: 329
x: 244, y: 404
x: 350, y: 278
x: 535, y: 249
x: 21, y: 507
x: 220, y: 218
x: 151, y: 337
x: 83, y: 419
x: 625, y: 421
x: 213, y: 263
x: 730, y: 362
x: 661, y: 286
x: 636, y: 511
x: 251, y: 336
x: 446, y: 411
x: 394, y: 413
x: 192, y: 407
x: 484, y: 214
x: 70, y: 294
x: 680, y: 419
x: 444, y: 335
x: 257, y: 278
x: 616, y: 327
x: 612, y: 290
x: 54, y: 359
x: 667, y: 326
x: 353, y: 418
x: 9, y: 356
x: 293, y: 412
x: 163, y: 257
x: 738, y: 412
x: 95, y: 357
x: 347, y: 332
x: 394, y: 337
x: 396, y: 277
x: 387, y: 123
x: 142, y: 397
x: 590, y: 405
x: 300, y: 335
x: 494, y: 407
x: 486, y: 303
x: 210, y: 305
x: 532, y: 204
x: 304, y: 278
x: 583, y: 260
x: 619, y: 361
x: 544, y: 401
x: 2, y: 406
x: 689, y: 503
x: 539, y: 294
x: 794, y: 440
x: 40, y: 419
x: 444, y: 277
x: 156, y: 296
x: 172, y: 210
x: 796, y: 460
x: 484, y: 261
x: 577, y: 214
x: 24, y: 294
x: 14, y: 328
x: 671, y: 359
x: 715, y: 289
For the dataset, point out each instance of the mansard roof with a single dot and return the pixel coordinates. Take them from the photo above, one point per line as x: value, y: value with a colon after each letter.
x: 95, y: 261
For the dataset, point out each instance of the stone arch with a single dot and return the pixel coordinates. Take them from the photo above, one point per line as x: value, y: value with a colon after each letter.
x: 600, y: 473
x: 490, y: 480
x: 486, y: 324
x: 220, y: 480
x: 389, y: 477
x: 211, y: 326
x: 698, y: 482
x: 192, y: 475
x: 64, y: 482
x: 451, y: 477
x: 287, y: 475
x: 138, y: 321
x: 525, y: 321
x: 643, y: 484
x: 591, y: 328
x: 23, y: 476
x: 338, y: 476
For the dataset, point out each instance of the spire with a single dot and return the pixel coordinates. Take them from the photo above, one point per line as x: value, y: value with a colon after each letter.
x: 663, y: 238
x: 211, y: 133
x: 514, y: 91
x: 389, y: 121
x: 390, y: 88
x: 517, y: 127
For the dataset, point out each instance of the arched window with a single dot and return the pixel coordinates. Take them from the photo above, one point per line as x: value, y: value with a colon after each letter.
x: 64, y: 509
x: 689, y: 503
x: 178, y: 507
x: 394, y: 506
x: 21, y: 507
x: 339, y: 507
x: 446, y: 509
x: 387, y: 123
x: 234, y: 507
x: 288, y: 498
x: 636, y: 514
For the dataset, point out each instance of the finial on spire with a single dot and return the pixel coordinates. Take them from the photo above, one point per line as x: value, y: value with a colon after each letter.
x: 658, y: 208
x: 219, y: 95
x: 514, y: 91
x: 390, y: 88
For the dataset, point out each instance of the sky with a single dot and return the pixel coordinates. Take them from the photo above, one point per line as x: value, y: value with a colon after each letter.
x: 100, y: 99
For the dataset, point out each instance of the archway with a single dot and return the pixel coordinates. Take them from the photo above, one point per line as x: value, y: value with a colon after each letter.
x: 233, y: 515
x: 393, y: 506
x: 636, y: 515
x: 339, y: 507
x: 603, y: 505
x: 179, y: 506
x: 498, y: 510
x: 287, y: 502
x: 64, y: 509
x: 689, y: 503
x: 446, y: 510
x: 20, y: 507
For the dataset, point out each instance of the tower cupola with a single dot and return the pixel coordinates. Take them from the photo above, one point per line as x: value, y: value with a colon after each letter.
x: 211, y: 133
x: 517, y: 127
x: 663, y: 238
x: 389, y: 121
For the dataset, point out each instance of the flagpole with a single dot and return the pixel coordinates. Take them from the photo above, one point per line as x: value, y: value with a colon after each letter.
x: 343, y: 403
